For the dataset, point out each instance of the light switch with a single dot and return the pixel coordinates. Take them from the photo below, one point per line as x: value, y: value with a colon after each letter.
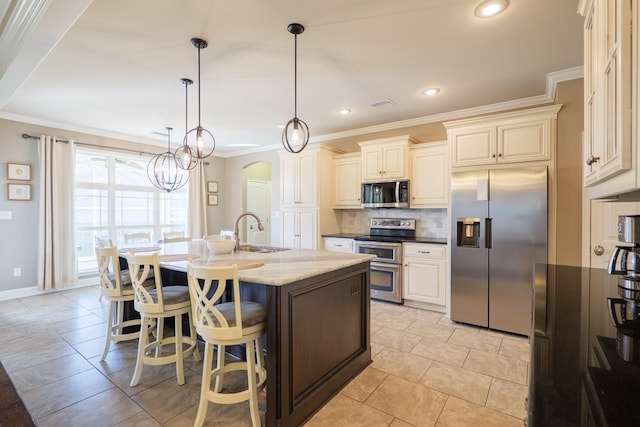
x: 5, y: 214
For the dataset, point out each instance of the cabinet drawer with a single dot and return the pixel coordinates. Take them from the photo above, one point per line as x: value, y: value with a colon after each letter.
x: 337, y: 244
x: 425, y: 250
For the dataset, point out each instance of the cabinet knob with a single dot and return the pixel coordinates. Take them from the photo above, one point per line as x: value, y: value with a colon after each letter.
x: 493, y: 156
x: 592, y: 159
x: 500, y: 155
x: 598, y: 250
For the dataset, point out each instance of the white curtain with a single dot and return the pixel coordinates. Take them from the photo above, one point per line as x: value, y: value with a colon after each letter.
x: 56, y: 242
x: 197, y: 203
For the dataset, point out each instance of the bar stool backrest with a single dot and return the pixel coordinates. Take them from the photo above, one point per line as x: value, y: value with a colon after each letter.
x: 141, y: 268
x: 206, y: 286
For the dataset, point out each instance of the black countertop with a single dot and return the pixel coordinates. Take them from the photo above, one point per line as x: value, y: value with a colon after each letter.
x: 576, y: 376
x: 419, y: 239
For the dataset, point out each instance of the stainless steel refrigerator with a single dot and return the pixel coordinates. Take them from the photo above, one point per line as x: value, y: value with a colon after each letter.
x: 499, y: 230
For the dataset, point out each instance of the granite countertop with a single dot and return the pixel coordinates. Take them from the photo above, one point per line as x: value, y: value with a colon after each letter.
x: 275, y: 268
x: 343, y: 235
x: 577, y: 375
x: 418, y: 239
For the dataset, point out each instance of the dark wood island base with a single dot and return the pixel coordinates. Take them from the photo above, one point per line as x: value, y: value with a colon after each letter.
x: 317, y: 339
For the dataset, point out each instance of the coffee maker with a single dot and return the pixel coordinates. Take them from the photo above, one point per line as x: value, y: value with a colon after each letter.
x: 625, y: 311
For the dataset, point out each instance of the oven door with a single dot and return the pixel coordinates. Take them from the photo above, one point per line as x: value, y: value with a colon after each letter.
x: 384, y: 252
x: 386, y: 281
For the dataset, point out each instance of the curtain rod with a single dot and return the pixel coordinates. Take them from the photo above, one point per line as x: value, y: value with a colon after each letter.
x: 86, y: 144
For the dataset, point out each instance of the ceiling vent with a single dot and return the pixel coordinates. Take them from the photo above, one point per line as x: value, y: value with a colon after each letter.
x: 382, y: 103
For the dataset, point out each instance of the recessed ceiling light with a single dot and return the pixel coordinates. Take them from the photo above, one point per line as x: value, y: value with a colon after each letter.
x: 491, y: 8
x: 344, y: 111
x: 430, y: 91
x: 242, y: 145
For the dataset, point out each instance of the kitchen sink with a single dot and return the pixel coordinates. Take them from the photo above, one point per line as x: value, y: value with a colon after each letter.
x: 261, y: 249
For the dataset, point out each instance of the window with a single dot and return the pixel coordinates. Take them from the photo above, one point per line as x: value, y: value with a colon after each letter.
x: 114, y: 196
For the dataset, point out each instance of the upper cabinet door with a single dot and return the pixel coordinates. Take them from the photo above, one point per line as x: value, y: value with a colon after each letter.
x: 524, y: 142
x: 372, y: 163
x: 610, y: 45
x: 430, y: 175
x: 393, y: 160
x: 298, y: 181
x: 347, y: 180
x: 471, y: 147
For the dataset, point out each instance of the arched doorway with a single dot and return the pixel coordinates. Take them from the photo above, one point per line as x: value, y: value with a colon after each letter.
x: 256, y: 189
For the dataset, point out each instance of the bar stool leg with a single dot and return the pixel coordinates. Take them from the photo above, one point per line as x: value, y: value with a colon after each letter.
x: 206, y: 383
x: 251, y: 376
x: 179, y: 349
x: 107, y: 343
x: 142, y: 344
x: 219, y: 365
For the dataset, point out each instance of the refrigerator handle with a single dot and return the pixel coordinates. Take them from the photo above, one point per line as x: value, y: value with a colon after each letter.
x: 488, y: 237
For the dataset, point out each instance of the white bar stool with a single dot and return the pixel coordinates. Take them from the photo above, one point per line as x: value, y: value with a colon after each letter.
x: 229, y: 323
x: 159, y: 303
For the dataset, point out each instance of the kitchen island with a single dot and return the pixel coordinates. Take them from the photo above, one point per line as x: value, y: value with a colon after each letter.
x: 318, y: 319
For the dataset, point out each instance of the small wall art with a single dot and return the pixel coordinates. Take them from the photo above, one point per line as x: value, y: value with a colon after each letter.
x: 212, y: 186
x: 213, y: 200
x: 18, y: 172
x: 19, y: 191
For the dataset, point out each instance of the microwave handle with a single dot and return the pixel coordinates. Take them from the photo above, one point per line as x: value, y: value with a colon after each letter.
x: 397, y: 191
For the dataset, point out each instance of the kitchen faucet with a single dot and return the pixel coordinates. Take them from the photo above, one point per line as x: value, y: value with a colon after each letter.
x: 260, y: 226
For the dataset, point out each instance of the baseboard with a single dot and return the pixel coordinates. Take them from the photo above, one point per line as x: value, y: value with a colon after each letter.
x: 33, y: 290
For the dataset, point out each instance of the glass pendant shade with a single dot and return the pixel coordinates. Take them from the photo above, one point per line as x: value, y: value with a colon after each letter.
x: 199, y: 139
x: 163, y: 170
x: 185, y: 155
x: 295, y: 135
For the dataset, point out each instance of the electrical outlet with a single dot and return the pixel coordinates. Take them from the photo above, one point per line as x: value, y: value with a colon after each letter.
x: 17, y: 272
x: 5, y: 215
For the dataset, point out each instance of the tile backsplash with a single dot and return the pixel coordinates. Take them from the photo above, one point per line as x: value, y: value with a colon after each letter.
x: 429, y: 222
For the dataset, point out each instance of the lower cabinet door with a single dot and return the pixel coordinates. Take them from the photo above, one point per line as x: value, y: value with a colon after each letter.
x: 424, y: 281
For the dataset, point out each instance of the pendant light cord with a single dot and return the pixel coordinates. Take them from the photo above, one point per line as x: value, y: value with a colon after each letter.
x: 295, y: 76
x: 199, y: 110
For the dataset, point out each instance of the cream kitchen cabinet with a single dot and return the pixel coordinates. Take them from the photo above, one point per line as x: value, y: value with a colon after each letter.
x: 519, y: 136
x: 429, y: 175
x: 298, y: 186
x: 306, y: 196
x: 425, y: 274
x: 300, y: 228
x: 385, y: 159
x: 611, y: 44
x: 347, y: 181
x: 339, y: 244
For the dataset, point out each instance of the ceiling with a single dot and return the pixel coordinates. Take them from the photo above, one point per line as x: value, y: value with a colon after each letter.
x: 113, y: 67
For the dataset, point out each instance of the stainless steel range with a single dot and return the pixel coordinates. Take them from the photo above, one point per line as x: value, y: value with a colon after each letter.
x: 385, y: 242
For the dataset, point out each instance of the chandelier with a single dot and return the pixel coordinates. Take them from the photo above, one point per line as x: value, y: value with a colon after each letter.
x: 163, y: 170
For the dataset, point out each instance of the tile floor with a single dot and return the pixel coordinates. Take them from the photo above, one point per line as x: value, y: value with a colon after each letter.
x: 426, y: 371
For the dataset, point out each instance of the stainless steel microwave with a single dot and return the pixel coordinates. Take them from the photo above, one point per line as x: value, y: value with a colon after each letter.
x: 388, y: 194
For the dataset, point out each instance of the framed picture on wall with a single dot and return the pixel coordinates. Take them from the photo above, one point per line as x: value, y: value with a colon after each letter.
x: 19, y: 191
x: 213, y: 200
x: 18, y: 172
x: 212, y: 187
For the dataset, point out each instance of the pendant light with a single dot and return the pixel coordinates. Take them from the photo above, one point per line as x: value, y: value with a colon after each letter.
x: 295, y: 134
x: 199, y: 139
x: 163, y: 170
x: 185, y: 155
